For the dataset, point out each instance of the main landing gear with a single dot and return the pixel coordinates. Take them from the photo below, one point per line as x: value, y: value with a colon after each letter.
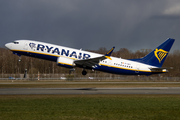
x: 18, y: 56
x: 84, y: 72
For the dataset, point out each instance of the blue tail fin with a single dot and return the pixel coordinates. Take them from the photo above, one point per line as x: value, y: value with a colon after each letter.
x: 158, y: 55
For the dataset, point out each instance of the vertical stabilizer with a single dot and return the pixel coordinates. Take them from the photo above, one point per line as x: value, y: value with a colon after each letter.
x: 159, y: 54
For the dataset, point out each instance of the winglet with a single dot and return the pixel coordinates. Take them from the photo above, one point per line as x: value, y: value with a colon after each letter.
x: 108, y: 54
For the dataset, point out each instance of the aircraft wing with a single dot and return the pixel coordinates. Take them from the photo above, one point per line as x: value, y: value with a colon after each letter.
x: 89, y: 62
x: 93, y: 61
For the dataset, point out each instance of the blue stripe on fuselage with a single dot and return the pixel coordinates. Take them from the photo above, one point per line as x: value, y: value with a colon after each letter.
x: 37, y: 55
x: 123, y: 71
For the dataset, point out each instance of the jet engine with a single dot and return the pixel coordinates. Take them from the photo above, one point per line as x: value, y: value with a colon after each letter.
x: 65, y: 62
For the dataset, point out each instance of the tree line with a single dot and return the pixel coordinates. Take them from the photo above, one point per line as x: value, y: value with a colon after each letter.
x: 9, y: 63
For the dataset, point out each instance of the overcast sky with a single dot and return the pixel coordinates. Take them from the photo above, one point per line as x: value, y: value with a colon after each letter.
x: 91, y: 24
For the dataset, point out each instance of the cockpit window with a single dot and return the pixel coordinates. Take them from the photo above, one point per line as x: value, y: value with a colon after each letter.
x: 16, y: 42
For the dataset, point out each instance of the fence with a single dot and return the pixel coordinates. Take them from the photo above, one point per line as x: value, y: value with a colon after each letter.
x: 89, y: 77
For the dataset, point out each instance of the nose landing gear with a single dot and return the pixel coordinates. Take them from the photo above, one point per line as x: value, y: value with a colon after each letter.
x: 19, y: 59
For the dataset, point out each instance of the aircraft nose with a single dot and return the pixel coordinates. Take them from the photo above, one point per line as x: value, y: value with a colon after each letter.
x: 8, y: 45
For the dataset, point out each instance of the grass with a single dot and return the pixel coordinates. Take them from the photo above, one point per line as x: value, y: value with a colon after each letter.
x: 89, y: 107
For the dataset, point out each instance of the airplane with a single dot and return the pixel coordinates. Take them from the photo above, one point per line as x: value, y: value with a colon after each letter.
x: 71, y: 58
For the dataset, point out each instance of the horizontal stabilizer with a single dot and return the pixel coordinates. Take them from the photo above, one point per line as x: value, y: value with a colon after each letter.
x: 160, y: 69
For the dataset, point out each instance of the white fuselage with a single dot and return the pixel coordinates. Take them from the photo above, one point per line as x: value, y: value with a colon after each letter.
x: 53, y: 52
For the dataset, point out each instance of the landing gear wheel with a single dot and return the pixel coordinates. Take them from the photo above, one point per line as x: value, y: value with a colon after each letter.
x: 19, y: 59
x: 84, y: 72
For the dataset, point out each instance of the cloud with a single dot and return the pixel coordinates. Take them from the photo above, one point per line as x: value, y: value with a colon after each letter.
x: 174, y: 10
x: 90, y: 24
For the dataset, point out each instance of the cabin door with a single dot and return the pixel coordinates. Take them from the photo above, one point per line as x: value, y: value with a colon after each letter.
x: 25, y: 46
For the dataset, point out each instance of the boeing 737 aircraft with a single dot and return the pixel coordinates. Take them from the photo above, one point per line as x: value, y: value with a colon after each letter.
x: 70, y: 58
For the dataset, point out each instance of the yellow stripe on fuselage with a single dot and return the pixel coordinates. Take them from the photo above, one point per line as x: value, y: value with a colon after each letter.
x: 36, y: 52
x: 44, y: 54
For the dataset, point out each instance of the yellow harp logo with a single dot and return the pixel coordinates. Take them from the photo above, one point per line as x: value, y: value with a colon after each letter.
x: 160, y: 54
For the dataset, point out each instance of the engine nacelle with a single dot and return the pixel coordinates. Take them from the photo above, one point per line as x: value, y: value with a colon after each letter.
x: 65, y: 62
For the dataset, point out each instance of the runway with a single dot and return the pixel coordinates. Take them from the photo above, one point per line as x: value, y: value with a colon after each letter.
x: 87, y: 82
x: 39, y: 91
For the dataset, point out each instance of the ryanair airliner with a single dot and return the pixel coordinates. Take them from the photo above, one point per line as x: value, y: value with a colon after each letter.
x: 71, y: 58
